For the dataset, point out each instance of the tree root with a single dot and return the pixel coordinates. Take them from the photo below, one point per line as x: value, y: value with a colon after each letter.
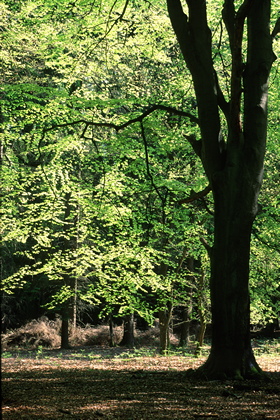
x: 224, y: 369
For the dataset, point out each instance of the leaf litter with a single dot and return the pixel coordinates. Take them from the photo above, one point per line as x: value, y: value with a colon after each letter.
x: 112, y: 383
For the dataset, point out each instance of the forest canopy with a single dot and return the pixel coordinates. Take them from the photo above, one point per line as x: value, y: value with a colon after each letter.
x: 106, y: 207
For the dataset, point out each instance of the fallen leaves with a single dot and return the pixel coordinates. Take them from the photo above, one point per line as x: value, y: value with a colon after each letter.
x: 105, y: 383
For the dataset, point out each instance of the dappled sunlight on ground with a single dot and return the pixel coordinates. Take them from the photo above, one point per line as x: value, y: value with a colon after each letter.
x: 114, y: 384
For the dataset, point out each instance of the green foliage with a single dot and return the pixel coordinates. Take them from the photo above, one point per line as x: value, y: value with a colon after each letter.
x: 85, y: 204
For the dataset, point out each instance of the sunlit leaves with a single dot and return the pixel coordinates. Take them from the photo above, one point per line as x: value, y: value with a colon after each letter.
x: 65, y: 62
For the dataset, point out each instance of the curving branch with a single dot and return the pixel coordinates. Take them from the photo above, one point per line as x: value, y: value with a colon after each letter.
x: 162, y: 198
x: 195, y: 195
x: 122, y: 126
x: 195, y: 40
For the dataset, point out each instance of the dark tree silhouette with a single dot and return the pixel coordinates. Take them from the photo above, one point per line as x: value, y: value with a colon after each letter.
x: 234, y: 165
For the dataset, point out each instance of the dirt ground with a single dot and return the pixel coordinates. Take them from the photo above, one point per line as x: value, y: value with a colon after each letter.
x: 106, y: 383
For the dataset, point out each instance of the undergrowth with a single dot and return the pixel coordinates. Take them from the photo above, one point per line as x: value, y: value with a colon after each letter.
x: 42, y: 335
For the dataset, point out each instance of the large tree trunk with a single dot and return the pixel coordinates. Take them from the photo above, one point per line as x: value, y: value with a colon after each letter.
x: 234, y: 168
x: 235, y: 209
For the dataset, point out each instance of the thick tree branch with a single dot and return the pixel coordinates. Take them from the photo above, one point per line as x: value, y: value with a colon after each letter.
x: 228, y: 14
x: 223, y: 104
x: 196, y: 195
x: 237, y: 66
x: 194, y: 37
x: 243, y: 10
x: 260, y: 58
x: 122, y: 126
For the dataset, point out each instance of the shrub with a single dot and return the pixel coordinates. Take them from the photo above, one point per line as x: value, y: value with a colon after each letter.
x: 94, y: 336
x: 46, y: 333
x: 35, y: 333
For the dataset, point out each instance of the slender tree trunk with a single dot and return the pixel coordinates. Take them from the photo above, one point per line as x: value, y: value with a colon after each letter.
x: 75, y: 241
x: 201, y: 334
x: 111, y: 332
x: 201, y: 311
x: 164, y: 323
x: 69, y: 309
x: 66, y: 277
x: 128, y: 333
x: 185, y: 327
x: 74, y: 312
x: 65, y: 329
x: 186, y: 318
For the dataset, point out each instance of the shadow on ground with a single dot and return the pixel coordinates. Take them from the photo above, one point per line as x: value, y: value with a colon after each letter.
x: 46, y: 390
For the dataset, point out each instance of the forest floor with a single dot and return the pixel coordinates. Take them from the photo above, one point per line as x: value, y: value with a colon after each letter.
x: 115, y: 383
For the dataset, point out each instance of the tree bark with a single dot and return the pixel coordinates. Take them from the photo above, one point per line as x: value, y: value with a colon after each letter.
x: 201, y: 311
x: 235, y: 192
x: 66, y: 306
x: 74, y: 304
x: 164, y: 322
x: 187, y: 310
x: 69, y: 243
x: 231, y: 354
x: 185, y: 327
x: 65, y: 330
x: 234, y: 168
x: 111, y: 332
x: 128, y: 331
